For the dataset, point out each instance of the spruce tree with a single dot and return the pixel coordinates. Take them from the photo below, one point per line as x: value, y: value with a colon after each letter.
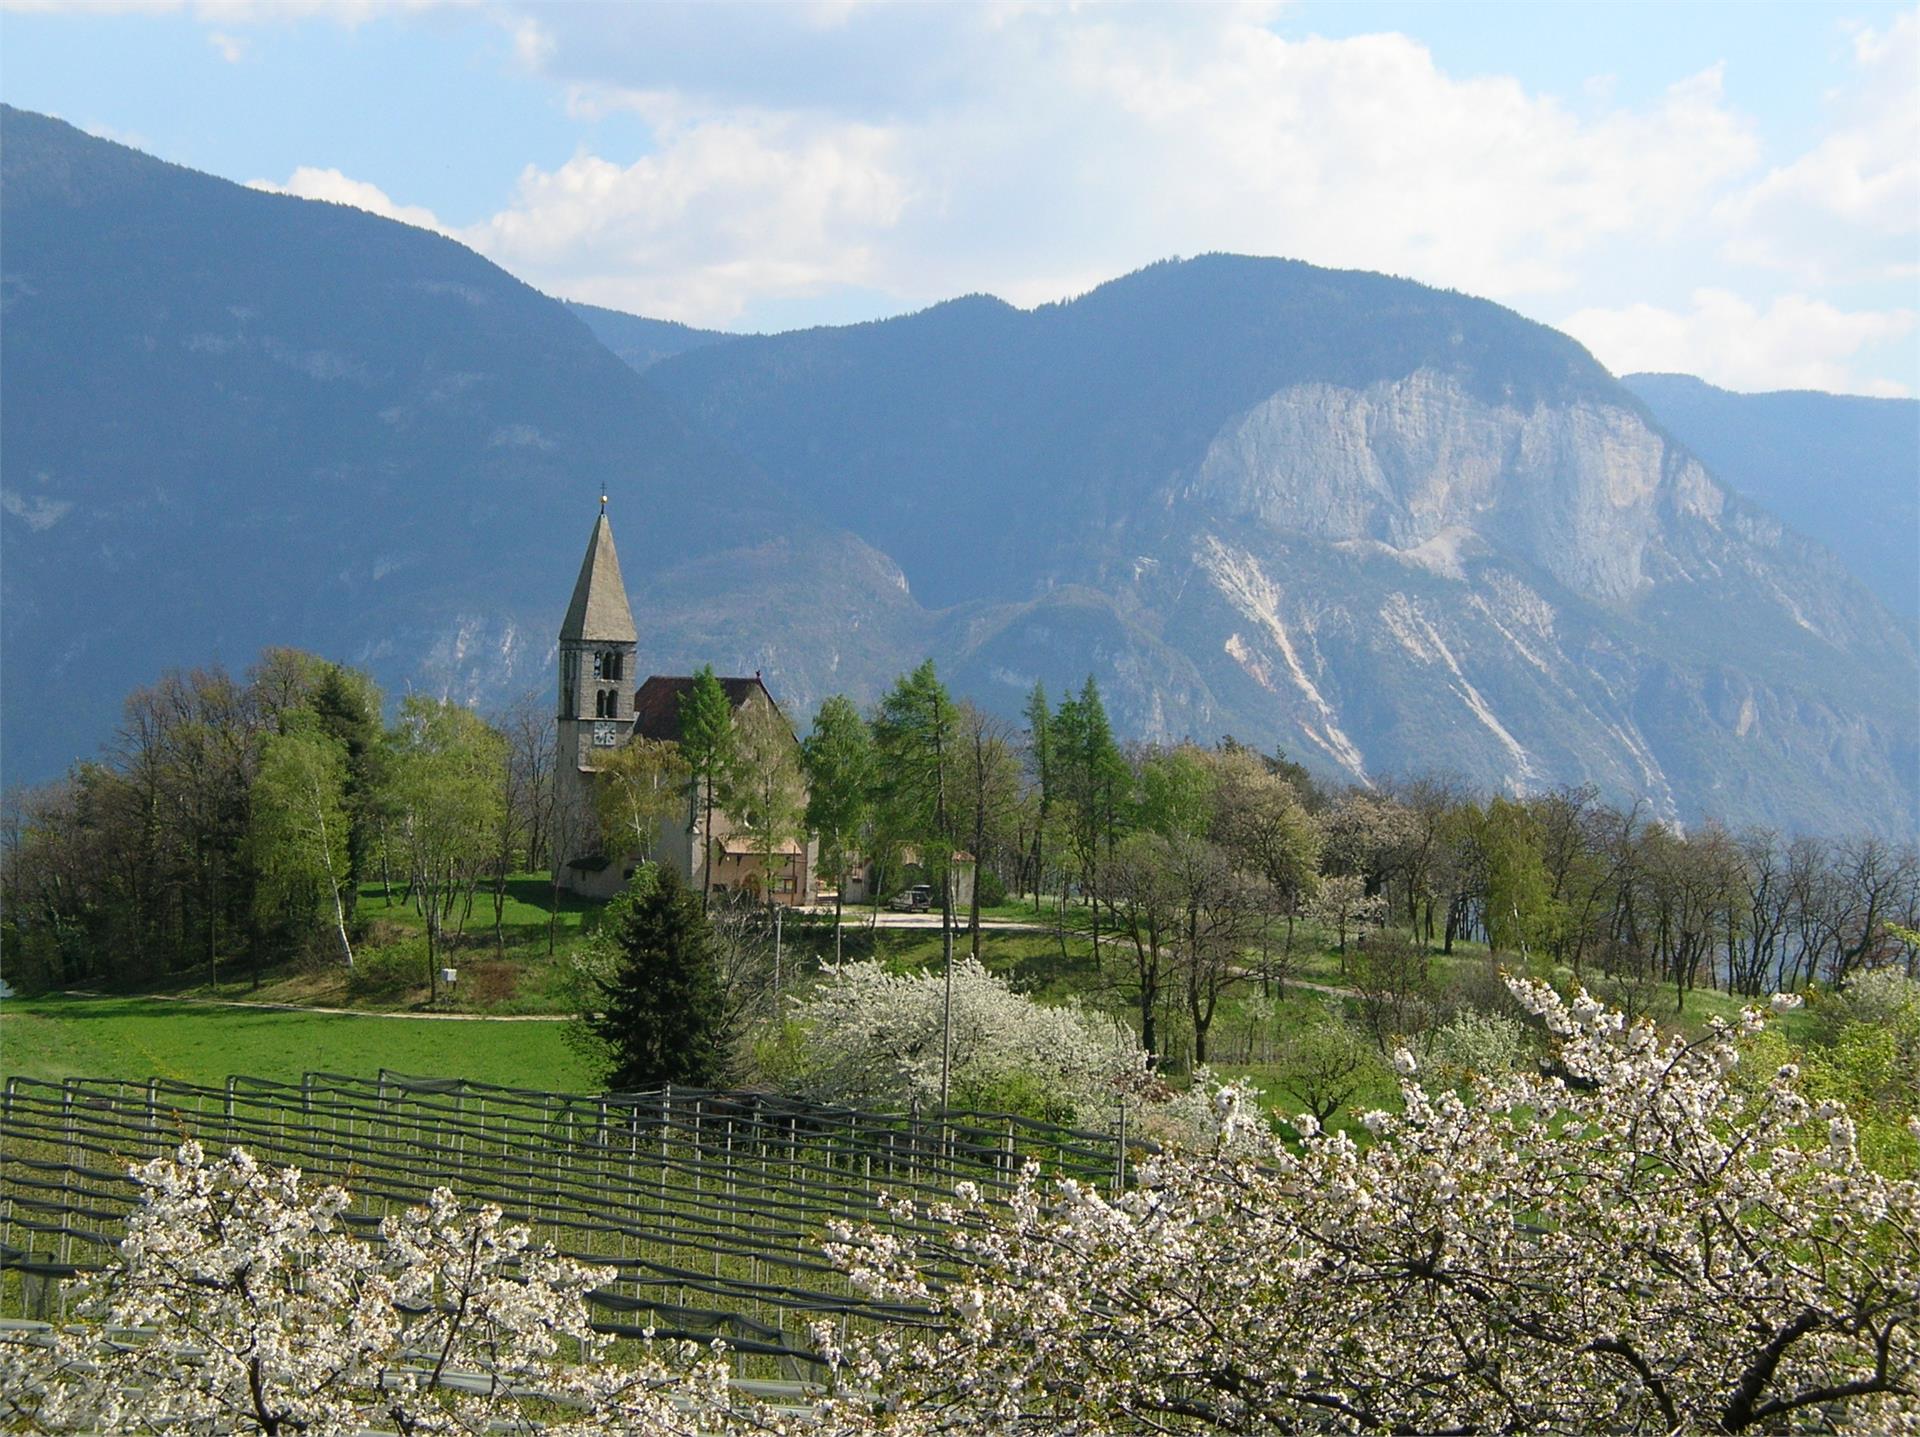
x: 839, y: 760
x: 706, y: 743
x: 663, y: 1011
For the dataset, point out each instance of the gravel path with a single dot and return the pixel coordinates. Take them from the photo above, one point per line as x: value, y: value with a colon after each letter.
x: 337, y: 1012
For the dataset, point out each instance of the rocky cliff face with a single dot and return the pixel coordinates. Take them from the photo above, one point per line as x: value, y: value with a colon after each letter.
x: 1421, y: 469
x: 1406, y: 576
x: 1458, y: 546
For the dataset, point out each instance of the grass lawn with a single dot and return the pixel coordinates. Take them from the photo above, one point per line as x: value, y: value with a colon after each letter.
x: 514, y: 974
x: 62, y: 1037
x: 523, y: 917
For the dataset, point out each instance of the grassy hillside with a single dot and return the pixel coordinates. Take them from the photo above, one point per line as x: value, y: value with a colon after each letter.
x: 67, y: 1036
x: 196, y: 1035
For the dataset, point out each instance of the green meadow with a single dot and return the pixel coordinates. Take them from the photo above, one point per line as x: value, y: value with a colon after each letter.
x: 65, y: 1036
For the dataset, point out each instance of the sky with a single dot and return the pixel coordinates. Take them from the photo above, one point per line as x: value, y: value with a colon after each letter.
x: 1728, y: 190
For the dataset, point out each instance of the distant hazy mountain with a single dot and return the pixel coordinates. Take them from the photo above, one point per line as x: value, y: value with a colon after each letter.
x: 1842, y: 468
x: 235, y: 418
x: 1387, y: 527
x: 643, y: 343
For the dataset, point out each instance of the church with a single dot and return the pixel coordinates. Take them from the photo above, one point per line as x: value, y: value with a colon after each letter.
x: 603, y: 706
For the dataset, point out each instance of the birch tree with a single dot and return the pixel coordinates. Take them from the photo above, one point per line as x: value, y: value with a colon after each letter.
x: 299, y: 827
x: 448, y: 792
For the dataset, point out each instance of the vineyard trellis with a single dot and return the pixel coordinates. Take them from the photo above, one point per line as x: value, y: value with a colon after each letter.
x: 710, y: 1205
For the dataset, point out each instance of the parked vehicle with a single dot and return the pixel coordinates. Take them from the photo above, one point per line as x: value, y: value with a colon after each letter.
x: 917, y: 899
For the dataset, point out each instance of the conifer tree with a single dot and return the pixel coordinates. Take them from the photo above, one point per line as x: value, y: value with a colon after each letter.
x: 839, y: 761
x: 663, y: 1010
x: 1094, y: 782
x: 914, y: 742
x: 706, y: 742
x: 1040, y: 760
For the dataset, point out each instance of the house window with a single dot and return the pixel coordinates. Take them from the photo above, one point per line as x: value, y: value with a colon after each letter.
x: 613, y: 666
x: 606, y: 703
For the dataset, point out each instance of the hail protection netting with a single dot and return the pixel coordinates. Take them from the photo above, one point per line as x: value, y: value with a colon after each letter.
x: 710, y: 1205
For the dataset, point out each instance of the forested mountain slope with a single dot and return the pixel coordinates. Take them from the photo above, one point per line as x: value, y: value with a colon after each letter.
x: 1842, y: 468
x: 643, y: 343
x: 1384, y: 526
x: 235, y: 418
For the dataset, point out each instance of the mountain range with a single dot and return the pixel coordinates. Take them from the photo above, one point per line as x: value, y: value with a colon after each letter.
x: 1840, y: 468
x: 1383, y: 527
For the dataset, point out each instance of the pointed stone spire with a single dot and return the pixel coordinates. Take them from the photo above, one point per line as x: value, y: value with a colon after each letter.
x: 599, y: 612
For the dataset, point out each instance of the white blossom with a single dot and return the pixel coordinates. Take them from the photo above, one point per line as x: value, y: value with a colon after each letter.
x: 254, y: 1307
x: 864, y: 1034
x: 1635, y: 1243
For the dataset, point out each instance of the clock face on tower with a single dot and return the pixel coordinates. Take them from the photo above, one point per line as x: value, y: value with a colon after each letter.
x: 606, y: 733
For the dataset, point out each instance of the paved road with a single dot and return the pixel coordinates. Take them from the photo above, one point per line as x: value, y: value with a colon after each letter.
x: 864, y: 919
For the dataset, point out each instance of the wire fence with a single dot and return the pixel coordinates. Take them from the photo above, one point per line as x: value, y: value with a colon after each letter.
x: 711, y: 1206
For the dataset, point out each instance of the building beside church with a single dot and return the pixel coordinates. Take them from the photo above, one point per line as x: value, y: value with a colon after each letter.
x: 603, y: 706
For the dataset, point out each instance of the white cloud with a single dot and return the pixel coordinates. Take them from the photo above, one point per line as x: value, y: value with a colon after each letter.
x: 231, y: 48
x: 350, y: 13
x: 722, y: 212
x: 995, y: 148
x: 311, y: 183
x: 1794, y: 343
x: 882, y: 156
x: 1849, y: 207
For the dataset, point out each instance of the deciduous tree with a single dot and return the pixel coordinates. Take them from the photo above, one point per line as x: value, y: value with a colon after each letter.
x: 448, y: 793
x: 763, y: 789
x: 298, y: 840
x: 1644, y: 1246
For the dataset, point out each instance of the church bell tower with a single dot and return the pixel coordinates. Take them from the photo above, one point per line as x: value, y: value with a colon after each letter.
x: 597, y: 643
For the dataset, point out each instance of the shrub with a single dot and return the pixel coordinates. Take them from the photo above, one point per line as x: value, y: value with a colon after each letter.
x: 387, y: 972
x: 865, y: 1035
x: 1325, y: 1062
x: 1470, y: 1045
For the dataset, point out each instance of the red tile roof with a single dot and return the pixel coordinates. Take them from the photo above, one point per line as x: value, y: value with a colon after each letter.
x: 656, y: 706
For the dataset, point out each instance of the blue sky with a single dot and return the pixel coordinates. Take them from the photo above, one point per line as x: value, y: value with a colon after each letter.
x: 1728, y: 190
